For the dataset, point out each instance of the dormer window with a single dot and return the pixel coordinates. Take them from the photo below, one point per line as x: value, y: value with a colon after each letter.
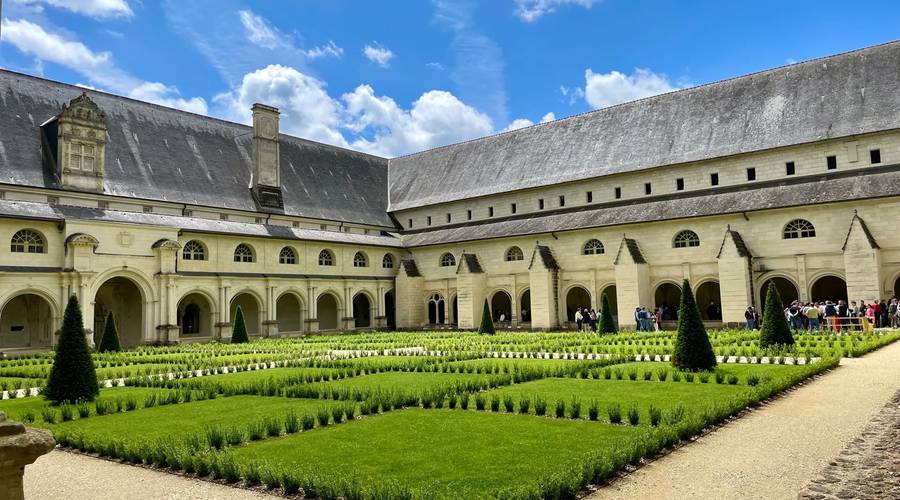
x: 76, y: 142
x: 81, y: 157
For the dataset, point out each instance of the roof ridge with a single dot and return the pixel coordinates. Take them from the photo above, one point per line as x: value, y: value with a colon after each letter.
x: 649, y: 98
x: 178, y: 110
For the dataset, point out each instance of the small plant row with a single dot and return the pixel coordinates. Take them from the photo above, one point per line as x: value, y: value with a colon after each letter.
x: 66, y: 412
x: 663, y: 374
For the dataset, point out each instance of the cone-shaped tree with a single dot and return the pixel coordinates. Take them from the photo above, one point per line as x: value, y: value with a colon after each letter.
x: 487, y: 324
x: 239, y: 332
x: 775, y: 329
x: 110, y: 340
x: 607, y: 325
x: 72, y: 377
x: 692, y: 348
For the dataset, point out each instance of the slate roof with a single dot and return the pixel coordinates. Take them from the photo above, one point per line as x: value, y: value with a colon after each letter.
x: 44, y: 211
x: 159, y: 153
x: 471, y: 263
x: 865, y: 229
x: 846, y: 186
x: 631, y: 245
x: 739, y: 244
x: 842, y: 95
x: 410, y: 267
x: 546, y: 256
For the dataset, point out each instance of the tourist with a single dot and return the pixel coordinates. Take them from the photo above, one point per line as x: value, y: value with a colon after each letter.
x: 793, y: 314
x: 884, y: 317
x: 812, y: 317
x: 893, y: 310
x: 830, y: 314
x: 637, y: 318
x: 593, y: 319
x: 657, y: 319
x: 750, y: 317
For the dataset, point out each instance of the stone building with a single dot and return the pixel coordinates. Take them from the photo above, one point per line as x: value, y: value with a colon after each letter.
x: 787, y: 177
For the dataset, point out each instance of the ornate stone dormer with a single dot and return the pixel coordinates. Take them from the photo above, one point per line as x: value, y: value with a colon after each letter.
x: 267, y: 157
x: 81, y: 144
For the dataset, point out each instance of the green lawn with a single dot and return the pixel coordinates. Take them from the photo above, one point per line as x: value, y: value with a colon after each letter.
x: 181, y: 420
x: 276, y: 374
x: 511, y: 362
x: 407, y: 381
x: 15, y: 408
x: 452, y: 454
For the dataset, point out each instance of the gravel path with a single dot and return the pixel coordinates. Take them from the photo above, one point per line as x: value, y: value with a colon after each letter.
x: 71, y: 476
x: 775, y: 451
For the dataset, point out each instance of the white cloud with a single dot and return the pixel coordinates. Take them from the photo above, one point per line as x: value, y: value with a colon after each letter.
x: 607, y: 89
x: 379, y: 55
x: 306, y: 108
x: 525, y: 122
x: 260, y: 32
x: 532, y: 10
x: 164, y: 95
x: 329, y: 49
x: 435, y: 119
x: 479, y: 66
x: 98, y: 67
x: 435, y: 65
x: 92, y: 8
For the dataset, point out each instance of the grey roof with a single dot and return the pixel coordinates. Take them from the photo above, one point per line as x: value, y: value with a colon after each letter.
x: 865, y: 229
x: 634, y: 251
x: 739, y: 244
x: 159, y: 153
x: 43, y: 211
x: 842, y: 95
x: 546, y: 255
x: 846, y: 186
x: 469, y: 262
x: 410, y: 268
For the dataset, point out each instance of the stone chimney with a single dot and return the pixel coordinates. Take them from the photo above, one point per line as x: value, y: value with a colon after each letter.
x: 267, y: 157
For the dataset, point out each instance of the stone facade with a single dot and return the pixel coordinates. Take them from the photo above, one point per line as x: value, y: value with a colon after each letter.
x: 172, y: 220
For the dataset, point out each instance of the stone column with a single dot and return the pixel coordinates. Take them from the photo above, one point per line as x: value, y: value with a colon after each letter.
x: 862, y: 263
x: 543, y: 276
x: 223, y: 327
x: 632, y: 282
x: 470, y: 287
x: 270, y: 323
x: 19, y: 447
x: 409, y: 296
x: 735, y: 286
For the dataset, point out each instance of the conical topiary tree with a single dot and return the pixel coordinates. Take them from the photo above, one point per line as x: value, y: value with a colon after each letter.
x: 110, y: 340
x: 72, y: 377
x: 487, y: 324
x: 239, y: 332
x: 607, y: 324
x: 775, y: 329
x: 692, y: 348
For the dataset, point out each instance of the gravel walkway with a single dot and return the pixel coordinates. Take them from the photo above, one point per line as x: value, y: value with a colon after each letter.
x: 775, y: 451
x: 869, y: 467
x: 71, y: 476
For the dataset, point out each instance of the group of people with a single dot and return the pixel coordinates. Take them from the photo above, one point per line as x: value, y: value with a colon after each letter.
x: 586, y: 319
x: 834, y: 315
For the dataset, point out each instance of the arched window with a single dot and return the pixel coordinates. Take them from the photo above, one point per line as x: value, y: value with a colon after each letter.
x: 686, y: 238
x: 287, y: 256
x: 193, y: 250
x: 243, y: 253
x: 360, y: 260
x: 388, y: 261
x: 447, y: 260
x: 27, y: 241
x: 799, y: 228
x: 513, y: 254
x: 326, y: 258
x: 593, y: 247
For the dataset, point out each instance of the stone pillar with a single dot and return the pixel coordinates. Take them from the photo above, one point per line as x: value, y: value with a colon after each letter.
x: 470, y: 292
x: 735, y: 285
x: 543, y: 276
x: 19, y: 447
x: 380, y: 315
x: 270, y: 323
x: 632, y: 282
x: 862, y: 263
x: 223, y: 327
x: 409, y: 296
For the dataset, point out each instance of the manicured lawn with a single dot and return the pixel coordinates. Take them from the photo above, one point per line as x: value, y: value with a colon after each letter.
x: 511, y: 362
x: 15, y: 408
x: 406, y: 381
x: 452, y: 454
x: 737, y: 369
x: 277, y: 374
x: 183, y: 419
x: 663, y: 395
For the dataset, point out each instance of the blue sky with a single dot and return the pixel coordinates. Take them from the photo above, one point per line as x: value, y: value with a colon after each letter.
x: 395, y: 77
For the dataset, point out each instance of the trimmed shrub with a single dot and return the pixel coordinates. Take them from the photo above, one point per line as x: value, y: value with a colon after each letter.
x: 495, y: 402
x: 655, y: 416
x: 594, y: 410
x: 614, y: 412
x: 775, y: 330
x: 560, y: 408
x: 524, y: 405
x: 540, y: 407
x: 487, y: 324
x: 692, y: 348
x: 607, y: 325
x: 633, y: 416
x: 508, y: 403
x: 239, y: 333
x: 72, y: 377
x: 110, y: 340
